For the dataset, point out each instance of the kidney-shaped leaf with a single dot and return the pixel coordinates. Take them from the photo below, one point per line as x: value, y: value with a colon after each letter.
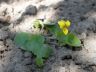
x: 35, y: 44
x: 73, y: 40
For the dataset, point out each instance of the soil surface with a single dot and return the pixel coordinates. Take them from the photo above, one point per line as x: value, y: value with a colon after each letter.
x: 18, y: 15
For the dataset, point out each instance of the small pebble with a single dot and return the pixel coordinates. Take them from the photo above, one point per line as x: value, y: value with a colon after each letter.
x: 30, y: 10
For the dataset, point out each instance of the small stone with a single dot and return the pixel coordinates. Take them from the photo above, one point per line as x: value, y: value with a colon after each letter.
x: 30, y: 10
x: 83, y: 35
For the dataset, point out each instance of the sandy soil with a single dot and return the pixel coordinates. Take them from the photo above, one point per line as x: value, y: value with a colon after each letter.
x: 17, y: 16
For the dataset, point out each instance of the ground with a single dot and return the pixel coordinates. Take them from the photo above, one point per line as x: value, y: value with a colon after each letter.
x: 18, y: 15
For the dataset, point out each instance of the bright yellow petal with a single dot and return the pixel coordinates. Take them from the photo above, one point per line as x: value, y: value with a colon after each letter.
x: 61, y: 23
x: 67, y: 23
x: 65, y: 31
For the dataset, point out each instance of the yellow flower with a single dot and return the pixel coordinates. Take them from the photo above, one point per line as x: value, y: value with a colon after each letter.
x: 61, y: 23
x: 67, y: 23
x: 65, y: 31
x: 64, y: 25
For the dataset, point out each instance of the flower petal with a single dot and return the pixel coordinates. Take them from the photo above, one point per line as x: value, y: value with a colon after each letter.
x: 61, y: 24
x: 65, y: 31
x: 67, y: 23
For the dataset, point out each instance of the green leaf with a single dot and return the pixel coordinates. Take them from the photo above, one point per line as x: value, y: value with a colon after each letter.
x: 43, y: 53
x: 21, y: 38
x: 38, y: 24
x: 39, y: 61
x: 46, y: 51
x: 73, y: 40
x: 35, y: 44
